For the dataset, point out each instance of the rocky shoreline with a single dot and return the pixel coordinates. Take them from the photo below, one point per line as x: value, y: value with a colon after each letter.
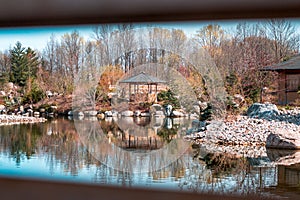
x: 19, y: 119
x: 249, y: 135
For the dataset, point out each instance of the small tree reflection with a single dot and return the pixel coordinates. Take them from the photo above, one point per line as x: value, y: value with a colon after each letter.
x: 20, y: 140
x: 225, y: 174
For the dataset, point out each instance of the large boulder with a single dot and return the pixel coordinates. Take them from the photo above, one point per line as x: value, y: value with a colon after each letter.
x: 263, y: 111
x: 156, y: 107
x: 2, y: 93
x: 159, y: 113
x: 2, y: 107
x: 10, y: 85
x: 91, y: 113
x: 283, y: 139
x: 176, y: 113
x: 108, y: 113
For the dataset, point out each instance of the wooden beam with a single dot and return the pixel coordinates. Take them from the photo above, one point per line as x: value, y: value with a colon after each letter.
x: 16, y: 188
x: 68, y: 12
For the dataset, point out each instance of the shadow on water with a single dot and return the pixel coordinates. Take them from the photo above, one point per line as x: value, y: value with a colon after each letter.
x: 106, y: 158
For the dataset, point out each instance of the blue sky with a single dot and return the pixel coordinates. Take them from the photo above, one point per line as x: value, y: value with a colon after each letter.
x: 37, y: 37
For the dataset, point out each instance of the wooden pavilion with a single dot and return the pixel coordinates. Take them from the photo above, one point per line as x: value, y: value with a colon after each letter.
x: 288, y: 79
x: 137, y: 91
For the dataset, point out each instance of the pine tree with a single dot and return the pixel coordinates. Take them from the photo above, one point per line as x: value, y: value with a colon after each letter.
x: 18, y: 65
x: 24, y: 63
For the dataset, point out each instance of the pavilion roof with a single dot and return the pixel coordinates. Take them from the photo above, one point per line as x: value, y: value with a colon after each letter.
x: 291, y: 64
x: 142, y: 78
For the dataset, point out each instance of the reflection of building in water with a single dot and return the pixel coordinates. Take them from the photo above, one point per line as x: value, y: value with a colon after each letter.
x: 150, y: 141
x: 144, y: 138
x: 289, y: 175
x: 146, y: 134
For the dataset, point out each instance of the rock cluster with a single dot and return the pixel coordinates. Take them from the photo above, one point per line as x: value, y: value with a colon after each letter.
x: 244, y: 131
x: 18, y: 119
x: 265, y: 125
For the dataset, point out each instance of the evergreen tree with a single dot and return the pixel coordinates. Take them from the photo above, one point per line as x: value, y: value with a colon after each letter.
x: 32, y: 63
x: 18, y: 65
x: 24, y: 63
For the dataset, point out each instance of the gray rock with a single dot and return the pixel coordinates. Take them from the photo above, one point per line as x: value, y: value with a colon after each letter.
x: 283, y: 139
x: 2, y: 107
x: 36, y: 114
x: 108, y: 113
x: 145, y: 114
x: 80, y: 114
x: 159, y: 113
x: 137, y: 113
x: 169, y: 110
x: 127, y: 113
x: 115, y: 114
x: 91, y: 113
x: 176, y: 113
x: 53, y: 107
x: 196, y: 109
x: 42, y: 110
x: 154, y: 108
x: 263, y: 111
x: 10, y: 85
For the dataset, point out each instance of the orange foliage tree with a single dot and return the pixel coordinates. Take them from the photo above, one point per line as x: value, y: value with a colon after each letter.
x: 108, y: 80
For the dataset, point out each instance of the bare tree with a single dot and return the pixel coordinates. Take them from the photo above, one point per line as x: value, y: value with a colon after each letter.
x: 102, y: 34
x: 127, y: 43
x: 72, y: 44
x: 50, y: 54
x: 210, y: 37
x: 4, y: 67
x: 285, y: 37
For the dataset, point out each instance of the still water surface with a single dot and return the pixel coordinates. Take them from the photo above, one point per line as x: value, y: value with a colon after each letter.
x: 154, y: 156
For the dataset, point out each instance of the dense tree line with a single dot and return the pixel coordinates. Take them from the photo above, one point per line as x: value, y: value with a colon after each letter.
x: 239, y: 54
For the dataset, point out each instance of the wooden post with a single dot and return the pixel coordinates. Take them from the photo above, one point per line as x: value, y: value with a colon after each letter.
x: 286, y: 89
x: 129, y: 141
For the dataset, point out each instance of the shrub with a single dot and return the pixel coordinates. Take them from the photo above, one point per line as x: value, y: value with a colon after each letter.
x: 34, y: 95
x: 168, y: 97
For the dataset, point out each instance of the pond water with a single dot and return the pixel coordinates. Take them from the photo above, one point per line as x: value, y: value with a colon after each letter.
x: 137, y: 153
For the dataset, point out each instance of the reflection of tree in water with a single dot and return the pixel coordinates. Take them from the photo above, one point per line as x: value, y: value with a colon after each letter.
x: 55, y: 140
x: 175, y: 170
x: 20, y: 140
x: 64, y: 148
x: 107, y: 175
x: 167, y: 134
x: 226, y: 174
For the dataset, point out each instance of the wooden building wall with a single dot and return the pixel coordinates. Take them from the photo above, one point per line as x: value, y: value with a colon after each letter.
x: 288, y: 86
